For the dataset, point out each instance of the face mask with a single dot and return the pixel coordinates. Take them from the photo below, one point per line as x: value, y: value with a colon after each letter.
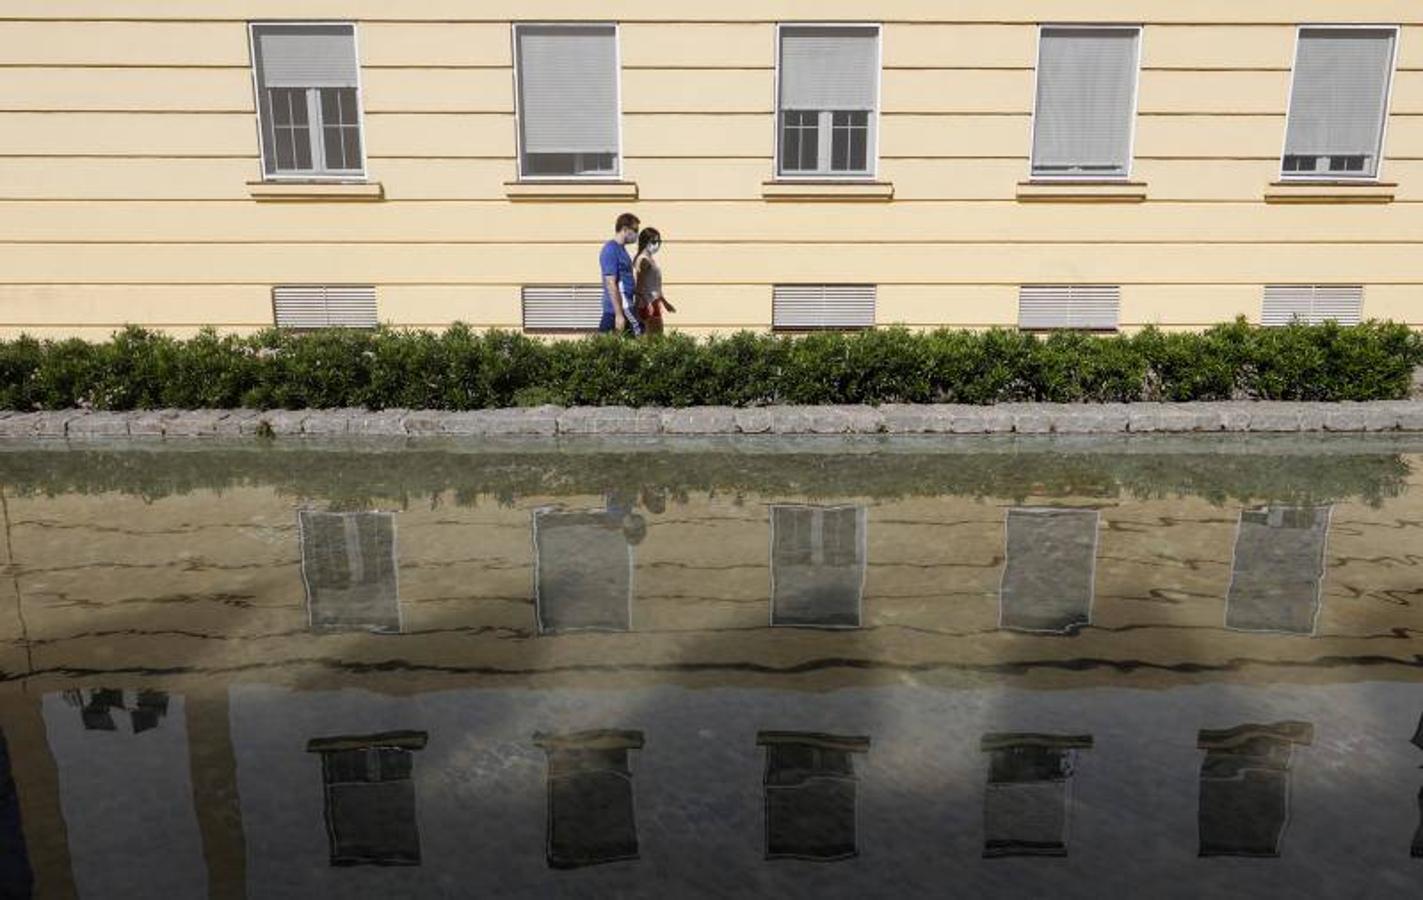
x: 653, y: 248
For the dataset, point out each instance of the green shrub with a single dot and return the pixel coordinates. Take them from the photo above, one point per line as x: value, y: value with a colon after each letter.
x: 465, y: 369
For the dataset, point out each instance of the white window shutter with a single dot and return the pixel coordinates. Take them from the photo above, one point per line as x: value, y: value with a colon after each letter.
x: 1340, y: 92
x: 814, y: 306
x: 829, y: 68
x: 568, y: 88
x: 305, y: 56
x: 1086, y: 100
x: 305, y: 307
x: 1087, y: 307
x: 1312, y: 304
x: 569, y: 307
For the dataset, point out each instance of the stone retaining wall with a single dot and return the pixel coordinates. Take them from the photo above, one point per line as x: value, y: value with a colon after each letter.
x: 547, y: 421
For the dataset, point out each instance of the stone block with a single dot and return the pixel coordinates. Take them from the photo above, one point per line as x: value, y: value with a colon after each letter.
x: 699, y: 420
x: 193, y: 423
x: 276, y: 422
x: 1274, y: 417
x: 150, y: 422
x: 99, y: 425
x: 753, y: 420
x: 326, y: 422
x: 1344, y: 416
x: 383, y: 423
x: 609, y: 420
x: 235, y: 422
x: 19, y: 425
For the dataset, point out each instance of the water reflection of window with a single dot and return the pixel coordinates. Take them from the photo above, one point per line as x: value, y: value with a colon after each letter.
x: 810, y: 794
x: 1048, y: 569
x: 16, y: 876
x: 98, y: 708
x: 583, y: 565
x: 1028, y: 805
x: 591, y: 816
x: 1278, y: 570
x: 1245, y: 787
x: 1417, y: 849
x: 348, y: 564
x: 817, y: 565
x: 370, y: 798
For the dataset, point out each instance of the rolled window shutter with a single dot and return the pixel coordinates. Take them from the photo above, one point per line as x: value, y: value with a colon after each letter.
x: 1086, y: 99
x: 324, y: 306
x: 571, y: 307
x: 808, y: 306
x: 305, y: 56
x: 829, y: 68
x: 1340, y: 92
x: 1086, y: 307
x: 568, y: 88
x: 1312, y: 304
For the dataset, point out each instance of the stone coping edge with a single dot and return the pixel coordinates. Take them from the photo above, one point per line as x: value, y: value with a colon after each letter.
x: 548, y: 421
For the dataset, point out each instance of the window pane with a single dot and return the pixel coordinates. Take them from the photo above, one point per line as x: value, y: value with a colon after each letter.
x: 800, y: 141
x: 1086, y: 95
x: 285, y: 149
x: 352, y: 141
x: 850, y: 142
x: 1339, y: 94
x: 335, y: 154
x: 555, y: 164
x: 567, y: 98
x: 303, y: 149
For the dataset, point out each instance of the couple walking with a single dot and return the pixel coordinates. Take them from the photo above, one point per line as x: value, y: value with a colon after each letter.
x: 632, y: 286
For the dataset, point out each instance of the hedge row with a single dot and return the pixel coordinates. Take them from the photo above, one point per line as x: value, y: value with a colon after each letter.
x: 465, y: 369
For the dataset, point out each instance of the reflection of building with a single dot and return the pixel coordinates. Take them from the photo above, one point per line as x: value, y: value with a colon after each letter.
x: 1049, y: 568
x: 1029, y: 801
x: 16, y: 878
x: 811, y: 794
x: 1245, y: 787
x: 583, y: 565
x: 591, y: 814
x: 370, y: 798
x: 96, y: 710
x: 1278, y: 569
x: 817, y: 565
x: 349, y: 565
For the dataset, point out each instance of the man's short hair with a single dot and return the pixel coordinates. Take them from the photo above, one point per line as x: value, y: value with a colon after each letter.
x: 626, y: 220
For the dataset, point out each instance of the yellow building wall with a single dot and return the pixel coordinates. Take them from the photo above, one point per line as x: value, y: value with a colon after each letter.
x: 128, y: 135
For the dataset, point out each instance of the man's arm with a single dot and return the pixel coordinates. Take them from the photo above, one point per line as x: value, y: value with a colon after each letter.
x: 610, y: 284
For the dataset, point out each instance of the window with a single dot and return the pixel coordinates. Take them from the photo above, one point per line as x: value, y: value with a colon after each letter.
x: 1278, y: 569
x: 811, y: 794
x: 1048, y: 570
x: 591, y: 815
x: 567, y: 307
x: 96, y: 710
x: 370, y: 798
x: 817, y: 565
x: 583, y: 569
x: 1083, y: 307
x: 568, y: 100
x: 1245, y: 791
x: 308, y: 100
x: 1086, y: 102
x: 309, y: 307
x: 348, y: 565
x: 1029, y: 804
x: 810, y: 307
x: 829, y: 100
x: 1338, y: 102
x: 1312, y: 304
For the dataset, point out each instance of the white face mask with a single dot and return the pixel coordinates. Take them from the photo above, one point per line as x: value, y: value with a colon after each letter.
x: 653, y: 248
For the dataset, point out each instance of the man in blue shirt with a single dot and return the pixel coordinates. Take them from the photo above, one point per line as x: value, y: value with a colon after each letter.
x: 616, y: 266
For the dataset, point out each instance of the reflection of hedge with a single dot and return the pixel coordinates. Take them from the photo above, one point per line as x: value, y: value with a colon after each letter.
x: 461, y: 369
x: 1300, y: 472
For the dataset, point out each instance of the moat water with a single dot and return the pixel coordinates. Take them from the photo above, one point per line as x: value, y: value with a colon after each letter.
x: 981, y: 667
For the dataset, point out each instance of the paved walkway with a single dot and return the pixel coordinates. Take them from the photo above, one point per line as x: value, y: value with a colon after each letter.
x: 1008, y: 418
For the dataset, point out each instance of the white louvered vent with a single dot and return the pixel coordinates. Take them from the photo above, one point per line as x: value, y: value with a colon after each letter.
x: 565, y: 307
x: 305, y: 307
x: 800, y: 307
x: 1086, y: 307
x: 1312, y: 303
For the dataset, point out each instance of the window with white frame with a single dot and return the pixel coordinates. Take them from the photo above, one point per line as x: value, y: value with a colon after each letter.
x: 1086, y: 101
x: 308, y: 100
x: 1338, y: 102
x: 828, y: 100
x: 567, y: 100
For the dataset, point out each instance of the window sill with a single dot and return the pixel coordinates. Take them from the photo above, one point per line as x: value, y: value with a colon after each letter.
x: 828, y: 190
x: 1081, y: 191
x: 570, y: 190
x: 315, y: 190
x: 1324, y: 191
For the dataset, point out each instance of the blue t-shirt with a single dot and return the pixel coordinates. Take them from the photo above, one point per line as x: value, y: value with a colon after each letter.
x: 614, y: 260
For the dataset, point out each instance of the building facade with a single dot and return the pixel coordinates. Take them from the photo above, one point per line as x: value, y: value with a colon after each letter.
x: 1094, y: 164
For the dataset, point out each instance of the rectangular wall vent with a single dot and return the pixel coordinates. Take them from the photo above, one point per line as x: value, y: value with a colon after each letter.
x: 1085, y: 307
x: 1312, y: 304
x: 803, y: 307
x: 567, y: 307
x: 306, y: 307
